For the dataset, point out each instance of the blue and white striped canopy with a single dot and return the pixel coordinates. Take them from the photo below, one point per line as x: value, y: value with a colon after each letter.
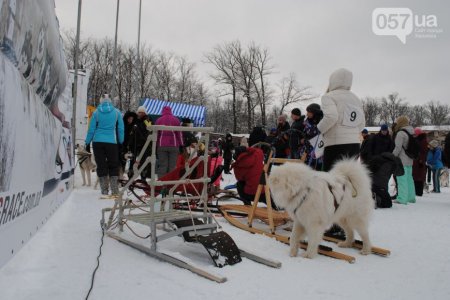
x: 196, y: 113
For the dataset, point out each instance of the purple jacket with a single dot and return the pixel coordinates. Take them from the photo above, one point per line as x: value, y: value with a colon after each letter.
x: 169, y: 138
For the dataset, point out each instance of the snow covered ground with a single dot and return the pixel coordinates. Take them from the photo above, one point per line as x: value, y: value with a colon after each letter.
x: 57, y: 263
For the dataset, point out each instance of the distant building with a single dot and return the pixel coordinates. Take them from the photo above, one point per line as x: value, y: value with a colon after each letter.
x: 433, y: 132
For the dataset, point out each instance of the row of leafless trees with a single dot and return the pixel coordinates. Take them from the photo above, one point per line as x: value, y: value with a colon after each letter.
x: 245, y: 94
x: 156, y: 74
x: 387, y: 109
x: 243, y: 74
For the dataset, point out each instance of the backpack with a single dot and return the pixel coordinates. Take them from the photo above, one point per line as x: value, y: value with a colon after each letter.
x: 413, y: 148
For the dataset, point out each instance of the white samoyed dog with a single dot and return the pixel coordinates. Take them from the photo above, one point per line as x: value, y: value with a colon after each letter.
x: 316, y: 200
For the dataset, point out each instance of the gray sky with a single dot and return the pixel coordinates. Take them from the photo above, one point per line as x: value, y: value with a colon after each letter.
x: 310, y: 38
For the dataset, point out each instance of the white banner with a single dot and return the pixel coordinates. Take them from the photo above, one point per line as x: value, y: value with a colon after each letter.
x: 36, y: 163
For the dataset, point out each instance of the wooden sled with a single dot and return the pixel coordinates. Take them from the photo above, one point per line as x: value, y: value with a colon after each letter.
x: 268, y: 215
x: 228, y: 210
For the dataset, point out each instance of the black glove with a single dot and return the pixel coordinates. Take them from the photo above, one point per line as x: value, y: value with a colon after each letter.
x: 87, y: 147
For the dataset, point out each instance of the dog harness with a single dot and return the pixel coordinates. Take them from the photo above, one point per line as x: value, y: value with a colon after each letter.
x: 83, y: 159
x: 336, y: 204
x: 301, y: 200
x: 330, y: 188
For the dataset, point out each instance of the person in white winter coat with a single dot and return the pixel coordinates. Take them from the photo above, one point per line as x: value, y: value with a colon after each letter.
x: 343, y: 119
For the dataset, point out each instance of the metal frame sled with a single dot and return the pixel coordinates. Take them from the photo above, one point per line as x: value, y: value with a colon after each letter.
x: 166, y: 222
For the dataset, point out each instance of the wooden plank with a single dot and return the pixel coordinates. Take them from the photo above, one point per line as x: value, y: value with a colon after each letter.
x: 260, y: 212
x: 275, y: 160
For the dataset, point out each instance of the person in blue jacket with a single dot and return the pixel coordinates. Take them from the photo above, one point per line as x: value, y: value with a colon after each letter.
x: 434, y: 160
x: 106, y: 131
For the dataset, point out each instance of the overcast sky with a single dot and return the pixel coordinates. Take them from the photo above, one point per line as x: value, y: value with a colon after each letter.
x: 310, y: 38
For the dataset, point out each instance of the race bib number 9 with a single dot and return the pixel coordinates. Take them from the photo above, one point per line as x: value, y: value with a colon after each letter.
x: 353, y: 116
x: 318, y: 145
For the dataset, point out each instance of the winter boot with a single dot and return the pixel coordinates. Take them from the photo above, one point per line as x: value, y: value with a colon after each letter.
x: 114, y: 181
x: 104, y: 185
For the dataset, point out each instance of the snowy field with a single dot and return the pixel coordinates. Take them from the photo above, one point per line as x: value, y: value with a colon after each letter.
x: 58, y: 262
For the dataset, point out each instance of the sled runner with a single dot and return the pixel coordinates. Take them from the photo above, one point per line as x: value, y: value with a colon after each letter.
x: 357, y: 244
x: 158, y: 213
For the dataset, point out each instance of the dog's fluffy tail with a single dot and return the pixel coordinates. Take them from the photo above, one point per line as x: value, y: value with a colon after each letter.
x: 356, y: 173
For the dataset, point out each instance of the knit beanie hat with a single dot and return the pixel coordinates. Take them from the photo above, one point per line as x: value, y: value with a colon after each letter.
x: 142, y: 109
x: 313, y: 108
x: 384, y: 127
x: 418, y: 131
x: 365, y: 131
x: 296, y: 112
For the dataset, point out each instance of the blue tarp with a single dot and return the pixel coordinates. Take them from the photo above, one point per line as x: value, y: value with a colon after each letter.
x: 196, y: 113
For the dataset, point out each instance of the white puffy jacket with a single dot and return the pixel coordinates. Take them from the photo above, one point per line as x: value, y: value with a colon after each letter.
x: 343, y: 114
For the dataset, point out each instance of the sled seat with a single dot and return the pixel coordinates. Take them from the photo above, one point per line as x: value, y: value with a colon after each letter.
x: 158, y: 217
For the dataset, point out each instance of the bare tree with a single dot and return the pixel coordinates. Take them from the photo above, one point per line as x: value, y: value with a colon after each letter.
x: 145, y: 72
x: 438, y: 113
x: 372, y: 110
x: 226, y: 69
x: 260, y: 82
x: 418, y: 115
x: 291, y: 92
x: 69, y: 49
x: 393, y: 107
x: 246, y: 73
x: 165, y: 75
x: 185, y: 72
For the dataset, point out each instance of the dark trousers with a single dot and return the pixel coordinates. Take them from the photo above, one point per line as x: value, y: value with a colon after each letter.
x: 226, y: 164
x: 418, y: 185
x: 146, y: 172
x: 382, y: 197
x: 436, y: 180
x: 334, y: 153
x: 248, y: 199
x: 107, y: 159
x: 331, y: 155
x: 428, y: 174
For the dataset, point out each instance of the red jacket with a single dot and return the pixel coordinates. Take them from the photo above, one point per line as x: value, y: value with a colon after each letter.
x: 248, y: 168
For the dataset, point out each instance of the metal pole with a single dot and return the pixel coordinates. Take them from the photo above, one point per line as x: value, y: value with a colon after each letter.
x: 113, y: 77
x: 75, y: 79
x: 138, y: 54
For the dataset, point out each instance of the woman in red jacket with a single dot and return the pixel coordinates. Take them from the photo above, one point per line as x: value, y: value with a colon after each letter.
x: 248, y: 166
